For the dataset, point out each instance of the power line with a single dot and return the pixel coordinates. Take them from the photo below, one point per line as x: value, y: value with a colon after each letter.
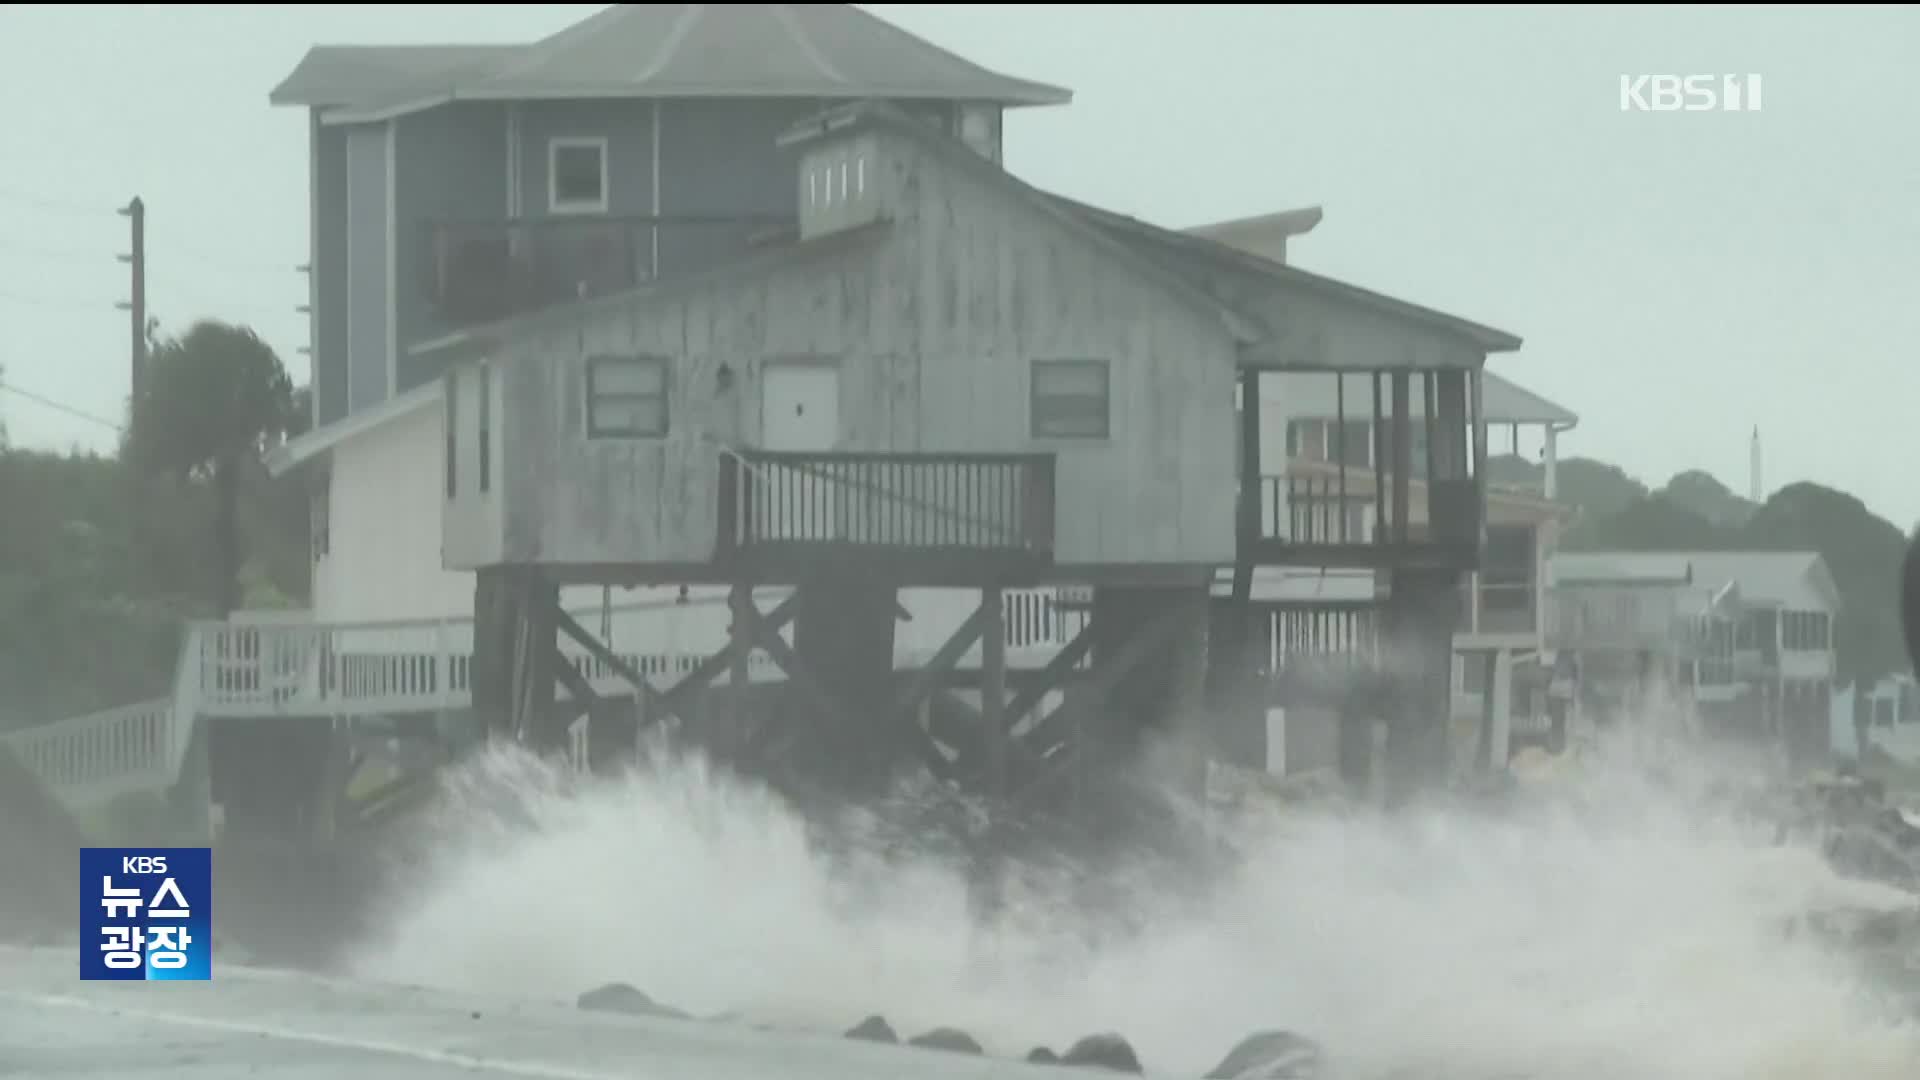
x: 26, y: 252
x: 52, y: 204
x: 41, y: 399
x: 68, y: 303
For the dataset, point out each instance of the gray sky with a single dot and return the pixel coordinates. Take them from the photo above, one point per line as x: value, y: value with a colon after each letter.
x: 1678, y: 277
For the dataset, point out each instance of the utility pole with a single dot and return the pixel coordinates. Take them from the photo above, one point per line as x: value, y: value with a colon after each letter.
x: 136, y: 214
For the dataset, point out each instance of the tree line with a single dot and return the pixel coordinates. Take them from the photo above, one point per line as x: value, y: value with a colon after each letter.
x: 1694, y: 511
x: 104, y: 556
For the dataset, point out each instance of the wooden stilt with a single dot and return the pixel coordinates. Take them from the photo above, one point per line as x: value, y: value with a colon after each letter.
x: 1062, y: 738
x: 1421, y: 615
x: 993, y: 689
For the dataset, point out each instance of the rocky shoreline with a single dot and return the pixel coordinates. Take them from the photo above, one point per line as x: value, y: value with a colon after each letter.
x: 1263, y: 1055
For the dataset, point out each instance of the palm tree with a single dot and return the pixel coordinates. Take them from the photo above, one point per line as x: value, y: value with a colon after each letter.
x: 214, y: 400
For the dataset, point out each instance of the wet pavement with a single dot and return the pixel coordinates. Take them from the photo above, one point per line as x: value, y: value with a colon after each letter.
x: 287, y: 1026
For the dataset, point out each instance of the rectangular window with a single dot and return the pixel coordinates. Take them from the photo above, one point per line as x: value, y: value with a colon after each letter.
x: 485, y: 438
x: 577, y: 175
x: 1072, y: 399
x: 452, y: 393
x: 626, y: 397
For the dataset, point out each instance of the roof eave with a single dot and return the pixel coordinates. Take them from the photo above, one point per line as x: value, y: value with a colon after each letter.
x: 1024, y: 97
x: 374, y: 114
x: 1487, y: 338
x: 1281, y: 224
x: 314, y: 444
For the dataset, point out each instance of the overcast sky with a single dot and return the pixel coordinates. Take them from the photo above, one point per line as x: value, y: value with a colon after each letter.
x: 1678, y: 277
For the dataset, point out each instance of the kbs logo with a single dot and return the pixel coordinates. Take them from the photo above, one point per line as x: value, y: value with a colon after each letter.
x: 1689, y: 93
x: 146, y: 914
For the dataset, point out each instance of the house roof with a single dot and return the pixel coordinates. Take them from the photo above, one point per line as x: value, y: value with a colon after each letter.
x: 296, y: 452
x: 1764, y: 578
x: 821, y: 51
x: 353, y: 76
x: 1313, y: 398
x: 1620, y: 568
x: 1510, y: 403
x: 1261, y: 231
x: 1192, y: 256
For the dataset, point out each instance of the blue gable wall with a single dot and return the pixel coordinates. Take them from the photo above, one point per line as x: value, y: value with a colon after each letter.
x: 379, y: 187
x: 328, y: 265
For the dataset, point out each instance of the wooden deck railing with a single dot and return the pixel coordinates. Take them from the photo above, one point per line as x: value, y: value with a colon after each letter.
x: 1316, y: 506
x: 932, y: 504
x: 259, y: 667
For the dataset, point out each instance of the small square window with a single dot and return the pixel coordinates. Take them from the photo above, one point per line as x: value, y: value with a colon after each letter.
x: 626, y: 397
x: 577, y: 175
x: 1072, y: 399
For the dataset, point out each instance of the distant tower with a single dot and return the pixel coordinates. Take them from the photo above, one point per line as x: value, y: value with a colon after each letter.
x: 1756, y: 488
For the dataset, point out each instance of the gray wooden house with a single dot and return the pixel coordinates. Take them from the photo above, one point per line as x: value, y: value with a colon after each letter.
x: 941, y: 376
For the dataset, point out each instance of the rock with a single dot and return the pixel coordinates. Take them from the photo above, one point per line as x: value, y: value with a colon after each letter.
x: 873, y: 1029
x: 619, y: 997
x: 1893, y: 825
x: 1868, y: 854
x: 1270, y: 1055
x: 1870, y: 930
x: 1106, y: 1051
x: 1040, y: 1055
x: 952, y: 1039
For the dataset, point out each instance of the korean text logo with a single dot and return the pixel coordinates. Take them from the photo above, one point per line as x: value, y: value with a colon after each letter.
x: 146, y: 914
x: 1689, y: 93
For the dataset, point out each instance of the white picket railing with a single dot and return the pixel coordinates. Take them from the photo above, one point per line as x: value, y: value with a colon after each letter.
x: 93, y: 759
x: 270, y: 664
x: 99, y: 757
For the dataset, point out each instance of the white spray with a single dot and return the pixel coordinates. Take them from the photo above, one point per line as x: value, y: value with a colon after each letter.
x: 1629, y: 926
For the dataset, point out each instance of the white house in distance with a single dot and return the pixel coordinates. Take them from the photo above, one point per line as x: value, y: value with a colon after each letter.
x: 1773, y: 680
x: 1892, y: 720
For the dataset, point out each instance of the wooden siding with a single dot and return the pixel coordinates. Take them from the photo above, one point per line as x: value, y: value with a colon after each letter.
x: 933, y: 321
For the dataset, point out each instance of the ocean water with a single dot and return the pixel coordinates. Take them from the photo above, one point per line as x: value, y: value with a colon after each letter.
x: 1622, y: 919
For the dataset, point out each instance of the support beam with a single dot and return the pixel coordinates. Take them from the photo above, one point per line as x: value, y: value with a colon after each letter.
x: 829, y: 710
x: 1500, y: 694
x: 993, y: 690
x: 1020, y: 760
x: 1065, y: 727
x: 1421, y: 614
x: 675, y: 700
x: 642, y: 687
x: 927, y: 680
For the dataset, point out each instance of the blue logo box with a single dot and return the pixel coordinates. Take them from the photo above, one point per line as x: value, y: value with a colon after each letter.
x: 146, y: 914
